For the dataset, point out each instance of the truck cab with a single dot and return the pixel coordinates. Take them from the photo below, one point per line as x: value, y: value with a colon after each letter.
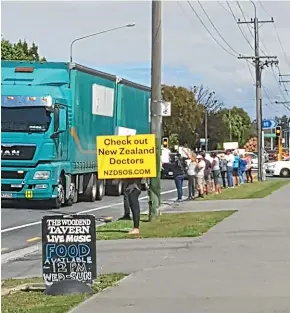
x: 34, y: 130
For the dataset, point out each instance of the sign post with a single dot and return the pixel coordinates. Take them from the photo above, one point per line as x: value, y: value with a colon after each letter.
x: 121, y: 157
x: 166, y: 108
x: 69, y: 248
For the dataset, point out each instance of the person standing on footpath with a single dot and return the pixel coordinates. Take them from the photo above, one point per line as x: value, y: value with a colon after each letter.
x: 223, y: 168
x: 191, y: 174
x: 207, y: 174
x: 216, y: 173
x: 126, y: 216
x: 236, y: 164
x: 178, y: 174
x: 242, y: 168
x: 230, y: 162
x: 132, y: 190
x: 249, y: 169
x: 200, y: 167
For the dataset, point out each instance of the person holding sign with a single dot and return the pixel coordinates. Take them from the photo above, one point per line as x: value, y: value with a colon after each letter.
x: 126, y: 216
x: 132, y: 189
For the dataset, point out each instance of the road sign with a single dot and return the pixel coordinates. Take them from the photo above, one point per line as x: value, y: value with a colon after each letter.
x: 269, y: 124
x: 166, y: 108
x: 269, y: 135
x: 69, y: 248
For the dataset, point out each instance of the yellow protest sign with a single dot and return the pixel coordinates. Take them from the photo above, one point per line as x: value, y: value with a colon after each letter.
x: 126, y: 156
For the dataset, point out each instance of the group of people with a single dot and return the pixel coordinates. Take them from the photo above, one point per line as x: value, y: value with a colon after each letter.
x: 211, y: 173
x: 206, y: 173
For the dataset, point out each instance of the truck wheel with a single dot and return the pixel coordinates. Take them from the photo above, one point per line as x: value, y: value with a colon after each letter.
x: 285, y: 172
x: 100, y: 190
x: 73, y: 199
x: 90, y: 192
x: 115, y: 190
x: 59, y: 200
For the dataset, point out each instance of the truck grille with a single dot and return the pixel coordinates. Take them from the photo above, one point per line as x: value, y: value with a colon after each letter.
x: 12, y: 175
x: 17, y: 152
x: 6, y: 187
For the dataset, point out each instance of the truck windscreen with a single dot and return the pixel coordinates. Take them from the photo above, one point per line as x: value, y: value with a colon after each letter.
x: 25, y: 119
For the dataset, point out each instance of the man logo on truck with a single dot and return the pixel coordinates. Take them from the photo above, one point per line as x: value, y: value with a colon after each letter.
x: 8, y: 152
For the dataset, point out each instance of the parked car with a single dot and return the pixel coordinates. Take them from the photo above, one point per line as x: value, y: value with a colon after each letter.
x: 279, y: 168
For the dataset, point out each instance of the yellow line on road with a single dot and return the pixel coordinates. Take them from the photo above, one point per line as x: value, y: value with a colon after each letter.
x: 33, y: 239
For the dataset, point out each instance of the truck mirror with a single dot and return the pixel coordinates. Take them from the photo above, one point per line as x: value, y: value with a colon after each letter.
x: 62, y: 120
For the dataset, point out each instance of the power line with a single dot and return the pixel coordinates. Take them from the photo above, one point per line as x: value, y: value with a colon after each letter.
x: 243, y: 14
x: 265, y: 53
x: 213, y: 25
x: 240, y: 28
x: 278, y: 36
x: 206, y: 28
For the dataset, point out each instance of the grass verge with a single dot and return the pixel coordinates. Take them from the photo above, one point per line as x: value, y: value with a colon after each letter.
x: 169, y: 225
x: 36, y: 302
x: 249, y: 191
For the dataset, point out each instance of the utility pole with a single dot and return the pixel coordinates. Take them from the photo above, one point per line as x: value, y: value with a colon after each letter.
x: 205, y: 131
x: 270, y: 60
x: 206, y: 120
x: 230, y: 124
x: 156, y: 105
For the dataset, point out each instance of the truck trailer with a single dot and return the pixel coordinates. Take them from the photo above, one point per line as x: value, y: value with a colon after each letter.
x: 51, y: 114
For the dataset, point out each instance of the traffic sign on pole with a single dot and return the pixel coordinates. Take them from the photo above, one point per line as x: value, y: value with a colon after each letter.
x: 269, y: 135
x: 269, y: 124
x: 166, y: 108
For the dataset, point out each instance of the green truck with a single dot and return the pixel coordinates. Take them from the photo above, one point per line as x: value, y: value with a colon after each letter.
x: 52, y: 113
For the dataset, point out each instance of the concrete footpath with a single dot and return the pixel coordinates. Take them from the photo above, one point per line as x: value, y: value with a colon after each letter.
x: 242, y: 265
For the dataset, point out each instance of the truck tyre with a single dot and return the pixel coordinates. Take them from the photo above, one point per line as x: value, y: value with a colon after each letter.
x: 90, y: 192
x: 59, y: 200
x: 100, y: 190
x: 115, y: 190
x: 73, y: 200
x: 285, y: 172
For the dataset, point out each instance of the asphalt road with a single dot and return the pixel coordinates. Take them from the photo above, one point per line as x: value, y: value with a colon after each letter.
x: 21, y: 228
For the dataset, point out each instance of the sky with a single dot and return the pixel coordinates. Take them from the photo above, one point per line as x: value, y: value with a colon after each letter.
x: 190, y: 56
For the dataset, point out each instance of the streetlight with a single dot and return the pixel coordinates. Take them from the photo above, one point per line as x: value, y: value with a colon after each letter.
x: 95, y: 34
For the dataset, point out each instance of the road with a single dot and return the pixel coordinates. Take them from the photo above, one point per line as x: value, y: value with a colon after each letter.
x: 21, y: 228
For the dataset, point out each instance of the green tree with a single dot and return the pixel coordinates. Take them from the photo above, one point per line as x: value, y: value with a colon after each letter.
x: 173, y: 141
x: 238, y: 123
x: 185, y: 117
x: 19, y: 51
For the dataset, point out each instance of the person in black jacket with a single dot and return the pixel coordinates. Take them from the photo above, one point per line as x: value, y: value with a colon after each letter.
x: 132, y: 190
x: 178, y: 174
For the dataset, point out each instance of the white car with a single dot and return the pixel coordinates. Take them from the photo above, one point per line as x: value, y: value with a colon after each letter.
x: 279, y: 168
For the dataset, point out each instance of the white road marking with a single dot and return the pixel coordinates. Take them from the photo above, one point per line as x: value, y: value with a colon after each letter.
x: 6, y: 230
